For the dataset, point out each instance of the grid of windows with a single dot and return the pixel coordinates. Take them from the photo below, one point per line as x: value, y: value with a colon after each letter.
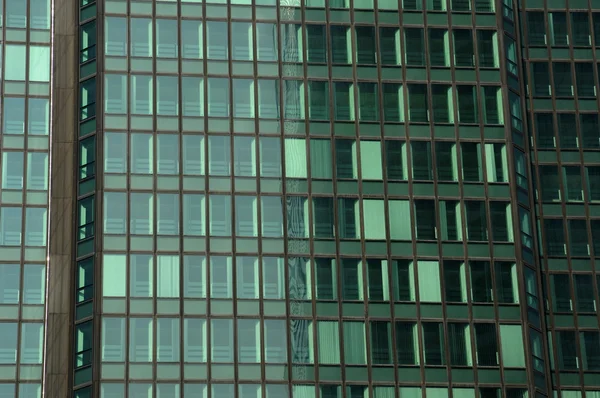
x: 566, y: 137
x: 24, y: 182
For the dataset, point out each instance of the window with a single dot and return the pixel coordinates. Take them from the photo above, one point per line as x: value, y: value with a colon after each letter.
x: 35, y: 226
x: 584, y: 293
x: 141, y: 217
x: 115, y: 29
x: 140, y: 339
x: 37, y: 171
x: 142, y: 95
x: 167, y: 95
x: 396, y: 160
x: 595, y: 225
x: 365, y: 45
x: 370, y: 155
x: 328, y: 335
x: 590, y: 130
x: 433, y: 343
x: 141, y: 37
x: 439, y: 51
x: 381, y: 342
x: 501, y: 219
x: 167, y: 276
x: 14, y: 115
x: 220, y: 277
x: 593, y: 181
x: 167, y: 340
x: 141, y: 275
x: 561, y: 293
x: 555, y: 237
x: 194, y: 340
x: 349, y: 218
x: 114, y: 277
x: 377, y: 275
x: 38, y: 115
x: 563, y: 83
x: 194, y: 218
x: 323, y: 217
x: 249, y: 347
x: 39, y: 63
x: 476, y: 220
x: 355, y: 350
x: 549, y: 183
x: 217, y: 39
x: 318, y: 97
x: 341, y: 44
x: 455, y: 281
x: 425, y: 219
x: 557, y: 26
x: 418, y: 108
x: 344, y: 101
x: 241, y: 37
x: 450, y: 220
x: 115, y: 94
x: 273, y: 278
x: 541, y: 78
x: 166, y: 38
x: 407, y: 343
x: 414, y: 43
x: 275, y: 340
x: 467, y: 104
x: 584, y: 75
x: 351, y: 278
x: 246, y: 223
x: 368, y: 102
x: 115, y: 152
x: 219, y: 155
x: 15, y: 69
x: 578, y: 238
x: 222, y: 340
x: 113, y: 339
x: 247, y: 277
x: 194, y: 276
x: 507, y: 286
x: 16, y: 14
x: 459, y: 341
x: 270, y: 157
x: 429, y: 281
x: 536, y: 29
x: 346, y: 162
x: 167, y: 149
x: 10, y: 226
x: 12, y: 170
x: 218, y: 96
x: 325, y: 278
x: 590, y: 349
x: 463, y: 46
x: 32, y: 336
x: 422, y: 165
x: 268, y: 99
x: 316, y: 42
x: 486, y: 344
x: 266, y: 36
x: 492, y: 105
x: 580, y: 29
x: 567, y: 350
x: 191, y: 39
x: 192, y: 95
x: 481, y: 281
x: 471, y: 161
x: 9, y: 284
x: 442, y: 103
x: 389, y: 46
x: 544, y: 127
x: 403, y: 280
x: 393, y: 102
x: 487, y: 47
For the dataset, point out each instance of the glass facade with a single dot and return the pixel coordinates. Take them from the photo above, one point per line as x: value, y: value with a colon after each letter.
x: 302, y: 199
x: 25, y: 50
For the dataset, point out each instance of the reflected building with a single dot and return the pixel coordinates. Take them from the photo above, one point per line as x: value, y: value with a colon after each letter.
x: 299, y: 199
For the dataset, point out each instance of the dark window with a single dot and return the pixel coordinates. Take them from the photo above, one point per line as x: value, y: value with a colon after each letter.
x: 567, y: 351
x: 433, y: 341
x: 486, y: 344
x: 584, y: 293
x: 555, y: 237
x: 406, y: 343
x: 536, y: 30
x: 426, y: 219
x: 458, y: 338
x: 380, y: 342
x: 481, y: 281
x: 454, y: 281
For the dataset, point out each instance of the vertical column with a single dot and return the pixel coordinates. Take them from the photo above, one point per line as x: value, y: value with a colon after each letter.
x: 63, y: 137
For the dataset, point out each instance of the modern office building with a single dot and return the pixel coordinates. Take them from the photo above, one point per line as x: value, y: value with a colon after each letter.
x: 299, y: 199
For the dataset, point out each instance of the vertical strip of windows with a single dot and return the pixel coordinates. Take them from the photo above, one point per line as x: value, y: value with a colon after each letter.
x: 86, y: 202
